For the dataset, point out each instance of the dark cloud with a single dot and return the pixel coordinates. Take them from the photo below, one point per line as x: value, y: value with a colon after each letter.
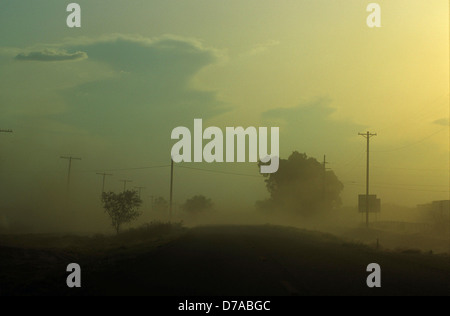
x: 442, y: 122
x: 148, y: 93
x: 165, y: 56
x: 51, y: 55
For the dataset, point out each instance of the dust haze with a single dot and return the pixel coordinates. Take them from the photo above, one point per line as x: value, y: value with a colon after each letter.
x: 50, y: 208
x: 86, y: 173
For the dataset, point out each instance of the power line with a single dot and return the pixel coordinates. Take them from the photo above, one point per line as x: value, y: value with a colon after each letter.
x: 394, y: 188
x: 127, y: 169
x: 402, y: 168
x: 414, y: 185
x: 376, y: 166
x: 367, y: 135
x: 139, y: 190
x: 220, y: 172
x: 345, y: 173
x: 398, y: 184
x: 104, y: 176
x: 411, y: 144
x: 419, y: 115
x: 346, y: 169
x: 125, y: 184
x: 348, y: 162
x: 70, y: 167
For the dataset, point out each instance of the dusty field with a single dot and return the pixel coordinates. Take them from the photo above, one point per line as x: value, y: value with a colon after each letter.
x: 214, y: 260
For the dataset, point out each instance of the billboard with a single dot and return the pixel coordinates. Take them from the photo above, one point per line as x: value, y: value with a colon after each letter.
x: 374, y: 203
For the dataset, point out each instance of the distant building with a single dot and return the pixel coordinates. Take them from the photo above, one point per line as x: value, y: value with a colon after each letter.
x: 437, y: 212
x: 442, y: 206
x: 436, y: 206
x: 374, y: 203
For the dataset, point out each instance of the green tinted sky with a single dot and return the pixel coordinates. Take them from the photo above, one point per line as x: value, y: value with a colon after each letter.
x: 137, y: 69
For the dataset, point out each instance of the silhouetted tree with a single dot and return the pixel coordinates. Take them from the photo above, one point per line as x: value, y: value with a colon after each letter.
x: 197, y: 204
x: 303, y: 186
x: 121, y: 207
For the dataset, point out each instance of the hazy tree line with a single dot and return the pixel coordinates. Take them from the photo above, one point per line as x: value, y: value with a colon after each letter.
x: 301, y: 186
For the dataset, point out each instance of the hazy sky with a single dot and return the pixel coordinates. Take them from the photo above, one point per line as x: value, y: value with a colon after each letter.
x: 112, y: 91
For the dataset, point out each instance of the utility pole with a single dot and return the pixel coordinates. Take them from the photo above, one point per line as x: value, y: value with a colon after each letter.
x: 70, y: 167
x: 139, y: 190
x: 104, y: 176
x: 152, y: 199
x: 171, y: 191
x: 125, y: 184
x: 367, y: 135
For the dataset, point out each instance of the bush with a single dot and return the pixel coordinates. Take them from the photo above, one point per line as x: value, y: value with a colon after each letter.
x: 122, y: 207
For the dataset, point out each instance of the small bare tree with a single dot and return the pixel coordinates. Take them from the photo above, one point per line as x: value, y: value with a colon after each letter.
x: 122, y: 207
